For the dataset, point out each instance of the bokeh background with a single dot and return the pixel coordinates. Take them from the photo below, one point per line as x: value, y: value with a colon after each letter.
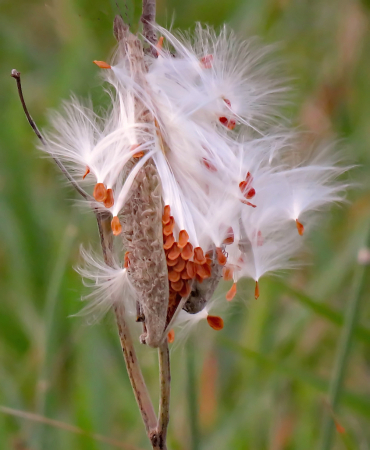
x: 264, y: 381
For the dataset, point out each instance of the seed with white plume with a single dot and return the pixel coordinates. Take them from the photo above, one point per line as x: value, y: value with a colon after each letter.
x: 200, y: 179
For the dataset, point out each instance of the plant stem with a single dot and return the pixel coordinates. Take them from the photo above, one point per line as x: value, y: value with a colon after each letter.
x: 17, y: 76
x: 192, y: 396
x: 343, y: 351
x: 133, y: 369
x: 165, y: 391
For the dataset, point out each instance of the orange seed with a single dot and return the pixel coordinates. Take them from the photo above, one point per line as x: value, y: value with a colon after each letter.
x: 256, y: 291
x: 185, y: 290
x: 116, y: 226
x: 221, y: 258
x: 87, y: 172
x: 172, y: 262
x: 203, y: 270
x: 168, y: 228
x: 109, y: 200
x: 177, y: 285
x: 231, y: 293
x: 215, y: 322
x: 183, y: 238
x: 300, y: 227
x: 100, y: 192
x: 180, y: 266
x: 190, y: 269
x: 174, y: 253
x: 187, y: 252
x: 102, y: 64
x: 199, y: 257
x: 227, y: 273
x: 171, y: 336
x: 166, y: 214
x: 173, y: 276
x: 169, y: 241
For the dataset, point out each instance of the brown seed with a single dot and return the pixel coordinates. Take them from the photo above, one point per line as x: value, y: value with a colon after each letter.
x: 180, y: 266
x: 185, y: 291
x: 183, y: 238
x: 177, y: 285
x: 168, y: 228
x: 109, y: 200
x: 231, y: 293
x: 174, y: 253
x: 100, y: 192
x: 173, y: 276
x: 168, y: 242
x: 187, y: 252
x: 116, y: 226
x: 199, y: 257
x: 215, y: 322
x: 221, y: 258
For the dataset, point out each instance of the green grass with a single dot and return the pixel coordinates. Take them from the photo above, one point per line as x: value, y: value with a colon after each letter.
x: 263, y: 383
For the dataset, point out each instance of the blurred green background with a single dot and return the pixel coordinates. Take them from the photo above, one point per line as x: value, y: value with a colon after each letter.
x: 262, y: 382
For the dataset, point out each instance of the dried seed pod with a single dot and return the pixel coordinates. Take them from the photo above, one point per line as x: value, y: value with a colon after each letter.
x: 142, y: 233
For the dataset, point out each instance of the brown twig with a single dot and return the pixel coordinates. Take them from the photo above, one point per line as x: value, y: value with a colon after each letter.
x: 17, y: 76
x: 165, y: 391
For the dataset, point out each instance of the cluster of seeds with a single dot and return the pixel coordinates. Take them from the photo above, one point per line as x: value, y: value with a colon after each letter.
x: 184, y: 262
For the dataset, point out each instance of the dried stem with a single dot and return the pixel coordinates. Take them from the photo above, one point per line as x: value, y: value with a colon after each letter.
x: 17, y: 76
x: 105, y: 233
x: 165, y: 390
x: 132, y: 364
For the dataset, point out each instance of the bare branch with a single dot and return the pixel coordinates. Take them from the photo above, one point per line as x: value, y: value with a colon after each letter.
x: 17, y: 76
